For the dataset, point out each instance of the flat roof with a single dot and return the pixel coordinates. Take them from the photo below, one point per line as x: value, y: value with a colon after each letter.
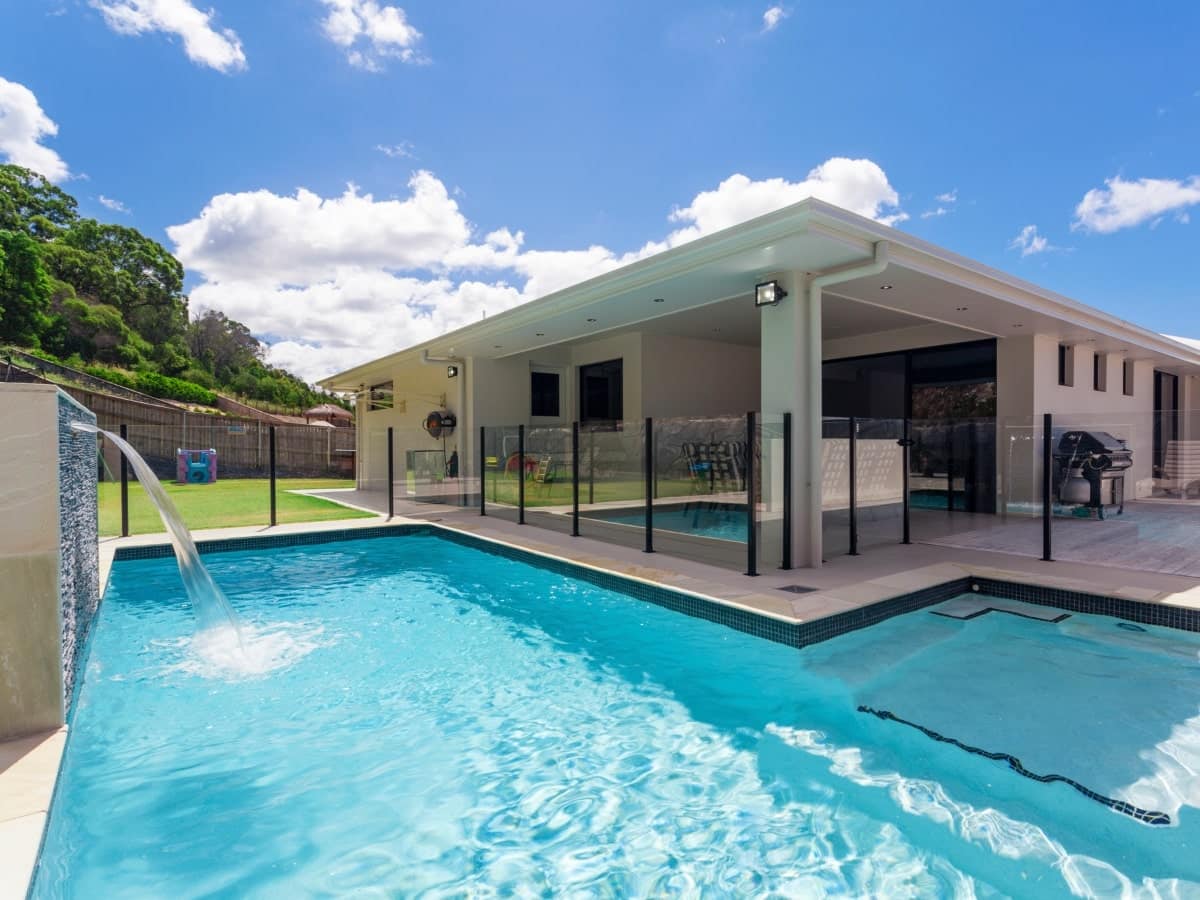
x: 811, y: 236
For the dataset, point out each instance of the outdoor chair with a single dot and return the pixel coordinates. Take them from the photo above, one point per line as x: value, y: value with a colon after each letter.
x: 1181, y: 468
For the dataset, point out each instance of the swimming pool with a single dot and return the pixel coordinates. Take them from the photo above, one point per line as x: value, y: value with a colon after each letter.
x: 726, y: 521
x: 450, y: 722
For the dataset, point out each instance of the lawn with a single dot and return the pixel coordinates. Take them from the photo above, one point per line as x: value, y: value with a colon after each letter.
x: 224, y: 504
x: 503, y: 489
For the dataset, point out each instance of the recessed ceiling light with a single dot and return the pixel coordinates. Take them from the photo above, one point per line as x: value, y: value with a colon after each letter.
x: 961, y: 308
x: 497, y: 346
x: 539, y: 334
x: 885, y: 287
x: 591, y: 320
x: 1018, y: 325
x: 659, y: 300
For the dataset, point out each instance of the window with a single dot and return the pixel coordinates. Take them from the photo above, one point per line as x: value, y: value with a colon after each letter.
x: 1127, y: 377
x: 600, y: 392
x: 1100, y: 371
x: 543, y: 392
x: 1066, y: 365
x: 380, y: 396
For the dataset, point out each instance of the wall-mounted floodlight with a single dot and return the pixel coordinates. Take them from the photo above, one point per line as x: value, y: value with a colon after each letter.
x: 451, y: 371
x: 768, y: 293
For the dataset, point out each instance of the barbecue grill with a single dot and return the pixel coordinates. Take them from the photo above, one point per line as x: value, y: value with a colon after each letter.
x: 1089, y: 469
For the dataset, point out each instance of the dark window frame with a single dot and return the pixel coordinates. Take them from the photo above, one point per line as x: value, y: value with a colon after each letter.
x: 1066, y: 365
x: 545, y: 394
x: 1099, y: 371
x: 615, y: 411
x: 1128, y: 385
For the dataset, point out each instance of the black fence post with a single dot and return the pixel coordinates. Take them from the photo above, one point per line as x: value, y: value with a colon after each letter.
x: 124, y: 485
x: 853, y: 486
x: 787, y: 491
x: 391, y: 470
x: 574, y: 479
x: 482, y: 471
x: 271, y: 448
x: 520, y: 474
x: 1047, y: 486
x: 906, y: 443
x: 751, y: 525
x: 648, y: 472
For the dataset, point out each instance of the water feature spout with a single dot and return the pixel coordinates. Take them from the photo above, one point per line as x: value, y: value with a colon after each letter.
x: 209, y: 603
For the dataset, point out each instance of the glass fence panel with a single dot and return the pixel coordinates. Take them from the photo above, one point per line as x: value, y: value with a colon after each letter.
x: 835, y: 486
x: 217, y: 472
x: 769, y: 457
x: 548, y: 476
x: 956, y: 475
x: 612, y: 483
x: 502, y: 472
x: 699, y: 484
x: 879, y: 481
x: 1126, y: 490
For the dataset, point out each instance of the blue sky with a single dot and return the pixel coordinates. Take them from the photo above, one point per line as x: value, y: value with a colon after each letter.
x: 569, y: 134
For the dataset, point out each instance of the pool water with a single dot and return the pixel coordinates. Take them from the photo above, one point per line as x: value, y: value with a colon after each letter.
x: 456, y: 723
x: 726, y: 521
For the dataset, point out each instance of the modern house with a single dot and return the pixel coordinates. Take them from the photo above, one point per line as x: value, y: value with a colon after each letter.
x: 861, y: 321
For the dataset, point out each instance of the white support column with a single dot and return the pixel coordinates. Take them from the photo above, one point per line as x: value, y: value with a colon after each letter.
x: 791, y: 382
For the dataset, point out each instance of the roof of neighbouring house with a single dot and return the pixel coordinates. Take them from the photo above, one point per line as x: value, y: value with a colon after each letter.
x: 328, y: 409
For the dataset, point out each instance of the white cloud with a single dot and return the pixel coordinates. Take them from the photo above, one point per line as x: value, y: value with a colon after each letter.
x: 205, y: 45
x: 946, y: 205
x: 304, y: 238
x: 948, y: 197
x: 340, y: 280
x: 773, y: 16
x: 1124, y: 204
x: 1029, y: 242
x: 402, y: 150
x: 114, y: 205
x: 23, y: 126
x: 371, y: 33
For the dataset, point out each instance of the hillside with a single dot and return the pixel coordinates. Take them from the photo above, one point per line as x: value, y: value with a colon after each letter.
x: 107, y: 299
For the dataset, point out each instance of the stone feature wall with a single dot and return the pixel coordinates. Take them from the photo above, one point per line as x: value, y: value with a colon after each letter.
x: 78, y: 516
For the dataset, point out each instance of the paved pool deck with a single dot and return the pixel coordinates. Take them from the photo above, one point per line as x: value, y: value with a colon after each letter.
x: 29, y: 766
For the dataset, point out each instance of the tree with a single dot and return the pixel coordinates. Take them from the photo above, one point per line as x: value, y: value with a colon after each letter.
x: 222, y: 345
x: 30, y: 203
x: 25, y: 290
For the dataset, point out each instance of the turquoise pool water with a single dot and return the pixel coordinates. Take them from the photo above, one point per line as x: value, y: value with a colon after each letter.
x: 726, y: 521
x: 451, y: 723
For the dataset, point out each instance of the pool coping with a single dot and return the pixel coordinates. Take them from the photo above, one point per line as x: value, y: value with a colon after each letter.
x: 31, y: 764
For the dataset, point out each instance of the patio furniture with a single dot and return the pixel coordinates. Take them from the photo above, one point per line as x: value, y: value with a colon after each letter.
x: 709, y: 463
x: 1181, y: 468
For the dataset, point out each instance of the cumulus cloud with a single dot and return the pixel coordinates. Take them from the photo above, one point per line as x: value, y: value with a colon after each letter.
x: 114, y: 205
x: 339, y: 280
x: 1125, y: 204
x: 23, y: 127
x: 773, y: 16
x: 946, y: 204
x: 219, y: 49
x: 371, y: 33
x: 1029, y: 242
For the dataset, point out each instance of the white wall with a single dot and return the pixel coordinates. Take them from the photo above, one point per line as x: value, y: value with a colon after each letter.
x: 1129, y: 418
x: 688, y: 377
x: 419, y: 389
x: 932, y: 335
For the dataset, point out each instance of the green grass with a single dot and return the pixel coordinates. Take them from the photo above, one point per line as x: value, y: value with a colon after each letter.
x: 503, y: 489
x: 224, y: 504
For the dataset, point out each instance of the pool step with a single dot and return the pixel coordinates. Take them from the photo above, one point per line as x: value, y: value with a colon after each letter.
x: 971, y: 607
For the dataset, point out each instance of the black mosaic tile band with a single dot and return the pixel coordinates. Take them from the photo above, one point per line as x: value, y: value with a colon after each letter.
x: 1008, y: 612
x: 270, y: 541
x: 1178, y: 617
x: 1150, y: 817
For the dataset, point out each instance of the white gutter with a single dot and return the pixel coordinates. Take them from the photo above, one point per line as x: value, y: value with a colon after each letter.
x: 461, y: 410
x: 878, y: 263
